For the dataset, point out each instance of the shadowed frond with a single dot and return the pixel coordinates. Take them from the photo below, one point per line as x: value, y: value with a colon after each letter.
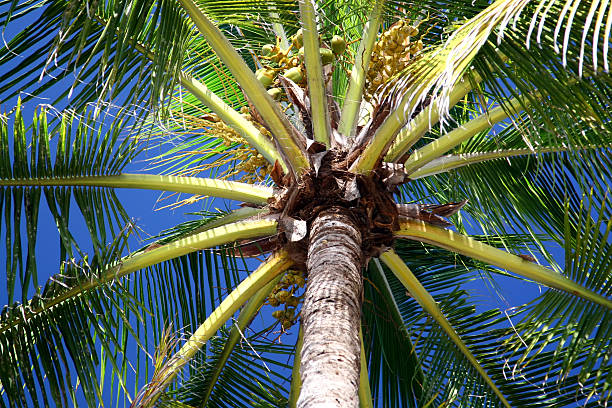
x: 396, y: 376
x: 415, y: 289
x: 559, y: 322
x: 95, y: 49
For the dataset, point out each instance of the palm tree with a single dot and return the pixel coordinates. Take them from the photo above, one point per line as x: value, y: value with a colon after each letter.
x: 353, y: 133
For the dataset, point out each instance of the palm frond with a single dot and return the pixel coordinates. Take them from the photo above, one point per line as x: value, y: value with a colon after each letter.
x: 354, y: 93
x: 396, y: 375
x: 465, y: 245
x: 321, y: 127
x: 45, y: 355
x: 508, y: 69
x: 427, y: 302
x: 253, y: 376
x: 82, y: 148
x: 436, y: 353
x: 286, y: 136
x: 563, y: 323
x: 525, y: 193
x: 492, y: 337
x: 93, y: 50
x: 236, y: 333
x: 267, y: 271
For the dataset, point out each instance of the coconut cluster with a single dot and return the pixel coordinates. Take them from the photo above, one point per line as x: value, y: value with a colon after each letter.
x: 283, y: 294
x: 290, y: 62
x: 393, y: 51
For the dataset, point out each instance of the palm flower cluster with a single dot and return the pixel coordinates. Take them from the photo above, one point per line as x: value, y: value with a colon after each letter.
x: 393, y: 51
x: 285, y: 294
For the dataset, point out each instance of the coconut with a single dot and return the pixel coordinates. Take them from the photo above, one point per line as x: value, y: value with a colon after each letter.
x: 276, y: 94
x: 294, y: 74
x: 338, y: 45
x: 298, y: 39
x: 265, y: 76
x: 282, y: 296
x: 267, y: 50
x: 327, y: 56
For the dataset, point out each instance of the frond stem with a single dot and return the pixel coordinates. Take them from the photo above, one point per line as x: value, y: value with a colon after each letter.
x: 234, y: 119
x: 274, y: 266
x: 207, y: 239
x: 314, y: 73
x: 279, y: 125
x: 438, y: 147
x: 365, y: 394
x: 352, y: 102
x: 424, y: 120
x: 461, y: 244
x: 454, y: 161
x: 296, y: 381
x: 246, y: 315
x: 386, y: 140
x: 232, y: 190
x: 427, y: 302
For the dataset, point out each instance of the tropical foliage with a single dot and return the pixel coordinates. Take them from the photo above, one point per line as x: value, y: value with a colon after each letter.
x: 469, y: 139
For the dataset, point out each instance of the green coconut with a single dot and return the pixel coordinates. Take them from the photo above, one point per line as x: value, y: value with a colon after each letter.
x: 338, y: 45
x: 275, y: 93
x: 265, y: 76
x: 298, y: 39
x: 267, y: 50
x: 294, y: 74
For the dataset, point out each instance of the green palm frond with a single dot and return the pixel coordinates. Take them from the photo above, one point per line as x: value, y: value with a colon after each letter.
x: 538, y: 380
x: 246, y: 316
x: 527, y: 192
x: 104, y: 51
x: 109, y: 305
x: 251, y: 285
x: 574, y: 322
x: 180, y: 293
x: 437, y: 354
x: 396, y: 375
x: 396, y: 372
x: 81, y: 149
x: 253, y: 376
x: 83, y: 332
x: 97, y: 48
x: 486, y: 47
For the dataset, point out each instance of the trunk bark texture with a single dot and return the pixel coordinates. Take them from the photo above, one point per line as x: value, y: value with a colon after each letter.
x: 331, y: 313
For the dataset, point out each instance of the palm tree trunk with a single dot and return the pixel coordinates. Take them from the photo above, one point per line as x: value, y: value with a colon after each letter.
x: 331, y: 314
